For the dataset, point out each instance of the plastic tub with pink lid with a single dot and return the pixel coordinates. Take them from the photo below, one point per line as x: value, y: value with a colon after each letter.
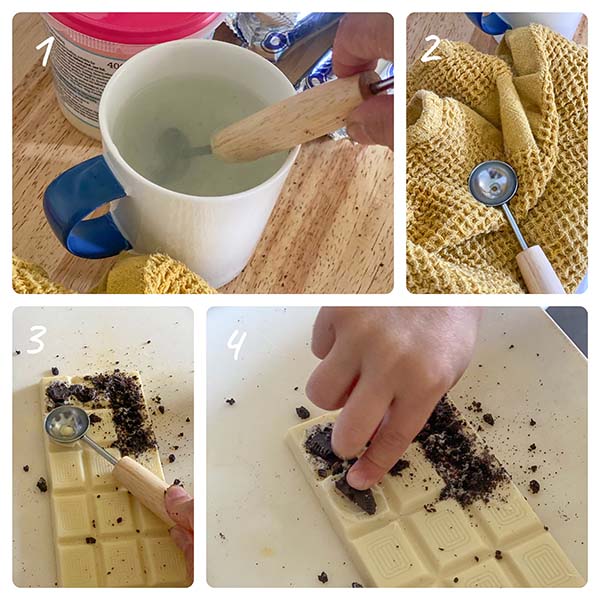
x: 89, y: 47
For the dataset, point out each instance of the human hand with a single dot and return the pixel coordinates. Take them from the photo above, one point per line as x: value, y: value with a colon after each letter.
x: 387, y: 368
x: 180, y: 506
x: 361, y: 39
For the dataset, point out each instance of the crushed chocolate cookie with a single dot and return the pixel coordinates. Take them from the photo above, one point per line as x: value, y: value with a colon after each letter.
x: 230, y: 401
x: 161, y: 409
x: 430, y: 508
x: 533, y: 468
x: 532, y: 423
x: 488, y: 418
x: 94, y: 418
x: 171, y: 458
x: 455, y: 580
x: 17, y: 352
x: 322, y: 473
x: 54, y: 371
x: 187, y: 419
x: 26, y: 468
x: 119, y: 519
x: 355, y: 584
x: 470, y: 472
x: 476, y: 558
x: 222, y: 535
x: 303, y: 412
x: 532, y: 448
x: 323, y: 577
x: 318, y: 443
x: 176, y: 481
x: 534, y: 486
x: 42, y: 485
x: 399, y: 467
x: 90, y: 540
x: 296, y: 389
x: 362, y: 498
x: 498, y: 555
x: 511, y: 346
x: 124, y: 393
x: 59, y: 392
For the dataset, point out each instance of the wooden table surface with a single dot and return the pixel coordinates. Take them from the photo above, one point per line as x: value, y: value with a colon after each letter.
x: 458, y: 28
x: 331, y: 231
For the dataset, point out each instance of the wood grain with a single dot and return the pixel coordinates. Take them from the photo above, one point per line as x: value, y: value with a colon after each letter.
x: 331, y: 231
x: 297, y: 120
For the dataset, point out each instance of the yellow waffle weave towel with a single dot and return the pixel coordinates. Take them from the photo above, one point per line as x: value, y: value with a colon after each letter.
x: 527, y: 106
x: 131, y: 274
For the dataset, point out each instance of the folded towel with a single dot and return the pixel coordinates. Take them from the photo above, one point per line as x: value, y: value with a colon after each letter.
x: 131, y: 274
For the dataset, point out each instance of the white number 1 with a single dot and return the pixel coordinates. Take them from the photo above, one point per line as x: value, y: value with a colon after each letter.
x: 236, y: 346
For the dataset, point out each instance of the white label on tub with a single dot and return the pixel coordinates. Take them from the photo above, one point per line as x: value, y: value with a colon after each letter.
x: 80, y: 77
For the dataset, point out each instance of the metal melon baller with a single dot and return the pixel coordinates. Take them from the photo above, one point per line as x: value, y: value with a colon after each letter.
x: 494, y: 183
x: 68, y: 424
x: 280, y: 126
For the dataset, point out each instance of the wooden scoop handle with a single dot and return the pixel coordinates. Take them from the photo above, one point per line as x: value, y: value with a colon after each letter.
x: 144, y: 485
x: 538, y: 273
x: 295, y: 120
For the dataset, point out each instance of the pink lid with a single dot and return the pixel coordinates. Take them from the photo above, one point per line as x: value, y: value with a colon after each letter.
x: 137, y: 28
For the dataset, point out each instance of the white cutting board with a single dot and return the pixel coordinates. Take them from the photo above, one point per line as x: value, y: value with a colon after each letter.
x: 273, y: 530
x: 89, y: 340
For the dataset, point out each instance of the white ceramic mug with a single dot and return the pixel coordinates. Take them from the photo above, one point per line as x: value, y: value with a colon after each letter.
x: 497, y: 23
x: 213, y: 236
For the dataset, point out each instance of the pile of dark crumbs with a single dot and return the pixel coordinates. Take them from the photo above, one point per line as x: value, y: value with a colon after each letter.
x: 123, y: 394
x: 470, y: 472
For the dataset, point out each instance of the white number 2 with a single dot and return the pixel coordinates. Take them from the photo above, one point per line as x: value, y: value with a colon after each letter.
x: 236, y: 346
x: 428, y: 56
x: 35, y: 339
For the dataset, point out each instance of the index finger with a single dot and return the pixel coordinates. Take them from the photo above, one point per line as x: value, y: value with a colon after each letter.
x: 362, y: 39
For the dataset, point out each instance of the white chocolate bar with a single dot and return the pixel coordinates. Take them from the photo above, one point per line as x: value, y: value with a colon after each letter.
x: 133, y: 547
x: 405, y: 545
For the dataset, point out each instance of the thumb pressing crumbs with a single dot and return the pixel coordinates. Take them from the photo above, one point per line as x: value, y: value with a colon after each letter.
x: 180, y: 506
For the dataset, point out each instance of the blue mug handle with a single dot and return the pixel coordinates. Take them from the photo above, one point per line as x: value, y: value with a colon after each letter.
x: 75, y: 194
x: 491, y: 23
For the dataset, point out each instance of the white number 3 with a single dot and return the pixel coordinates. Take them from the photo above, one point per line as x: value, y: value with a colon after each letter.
x: 428, y: 56
x: 35, y: 339
x: 236, y: 346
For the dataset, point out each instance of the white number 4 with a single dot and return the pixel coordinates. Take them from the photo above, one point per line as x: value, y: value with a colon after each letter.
x: 35, y: 339
x: 428, y: 56
x: 236, y: 346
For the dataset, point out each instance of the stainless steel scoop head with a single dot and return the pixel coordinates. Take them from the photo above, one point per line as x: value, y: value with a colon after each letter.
x: 67, y: 424
x: 494, y: 183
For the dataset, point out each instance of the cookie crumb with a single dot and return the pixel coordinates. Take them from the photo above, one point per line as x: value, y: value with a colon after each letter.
x: 42, y: 485
x: 171, y: 458
x: 161, y: 409
x: 55, y: 371
x: 534, y: 486
x: 323, y: 577
x: 90, y: 540
x: 26, y: 468
x: 488, y: 418
x: 498, y: 555
x: 355, y: 584
x: 532, y: 423
x: 303, y: 412
x: 230, y: 401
